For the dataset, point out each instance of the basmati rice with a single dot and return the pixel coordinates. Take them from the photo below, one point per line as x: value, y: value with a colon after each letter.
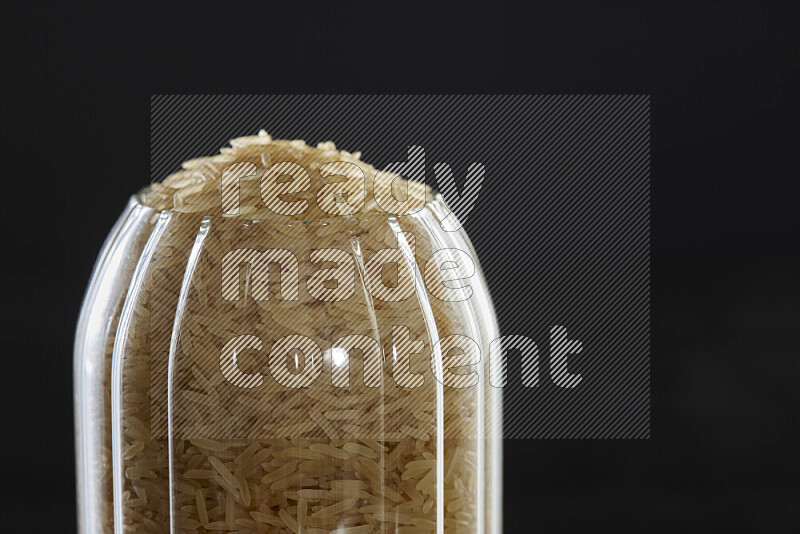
x: 313, y: 461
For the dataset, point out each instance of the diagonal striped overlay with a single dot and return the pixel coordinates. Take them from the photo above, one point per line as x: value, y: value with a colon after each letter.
x: 561, y: 222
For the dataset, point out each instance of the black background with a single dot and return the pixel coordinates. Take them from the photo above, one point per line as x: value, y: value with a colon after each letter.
x: 725, y: 292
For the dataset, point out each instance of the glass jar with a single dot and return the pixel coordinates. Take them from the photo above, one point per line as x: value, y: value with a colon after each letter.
x: 242, y: 365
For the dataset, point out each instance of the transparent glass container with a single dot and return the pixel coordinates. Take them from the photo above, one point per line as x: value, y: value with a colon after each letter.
x: 247, y: 373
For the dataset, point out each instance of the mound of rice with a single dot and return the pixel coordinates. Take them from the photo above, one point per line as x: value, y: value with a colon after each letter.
x: 270, y: 459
